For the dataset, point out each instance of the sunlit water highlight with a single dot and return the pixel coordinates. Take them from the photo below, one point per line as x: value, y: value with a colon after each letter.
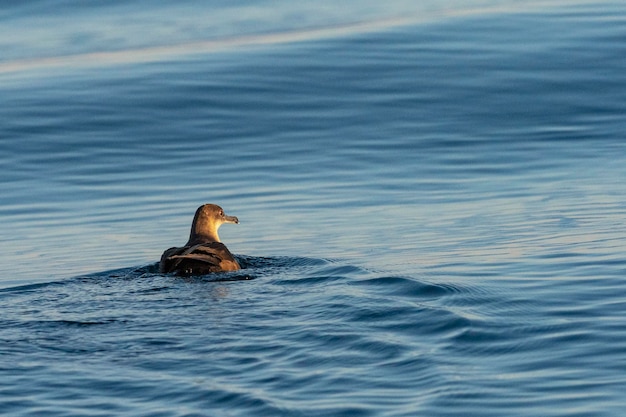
x: 168, y: 52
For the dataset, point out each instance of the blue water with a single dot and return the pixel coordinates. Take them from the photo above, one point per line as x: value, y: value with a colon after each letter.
x: 431, y: 201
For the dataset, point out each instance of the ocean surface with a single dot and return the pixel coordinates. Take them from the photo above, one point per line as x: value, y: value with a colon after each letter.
x: 431, y: 195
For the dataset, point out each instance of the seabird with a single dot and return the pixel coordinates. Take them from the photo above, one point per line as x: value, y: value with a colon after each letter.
x: 203, y: 253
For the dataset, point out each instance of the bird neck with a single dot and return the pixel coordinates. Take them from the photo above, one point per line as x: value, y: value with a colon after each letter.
x: 203, y: 232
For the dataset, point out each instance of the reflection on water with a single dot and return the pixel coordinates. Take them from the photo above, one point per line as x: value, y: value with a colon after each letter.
x: 414, y: 15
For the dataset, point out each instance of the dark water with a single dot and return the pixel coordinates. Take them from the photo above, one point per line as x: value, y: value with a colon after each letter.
x: 431, y: 202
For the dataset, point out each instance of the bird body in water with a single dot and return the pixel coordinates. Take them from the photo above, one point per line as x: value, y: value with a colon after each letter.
x: 203, y: 253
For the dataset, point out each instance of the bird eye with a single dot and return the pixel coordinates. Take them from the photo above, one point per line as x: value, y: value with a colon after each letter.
x: 221, y: 213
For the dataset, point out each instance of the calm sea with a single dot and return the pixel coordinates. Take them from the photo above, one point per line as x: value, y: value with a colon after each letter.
x: 432, y: 198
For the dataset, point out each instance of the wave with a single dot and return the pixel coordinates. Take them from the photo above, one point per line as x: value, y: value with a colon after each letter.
x: 158, y: 53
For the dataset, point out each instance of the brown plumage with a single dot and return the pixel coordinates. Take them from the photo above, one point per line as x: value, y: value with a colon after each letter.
x: 203, y: 253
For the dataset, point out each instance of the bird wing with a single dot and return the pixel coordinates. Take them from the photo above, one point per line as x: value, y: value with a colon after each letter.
x: 210, y: 255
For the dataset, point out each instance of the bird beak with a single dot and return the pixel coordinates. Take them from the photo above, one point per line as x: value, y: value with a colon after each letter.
x: 231, y: 219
